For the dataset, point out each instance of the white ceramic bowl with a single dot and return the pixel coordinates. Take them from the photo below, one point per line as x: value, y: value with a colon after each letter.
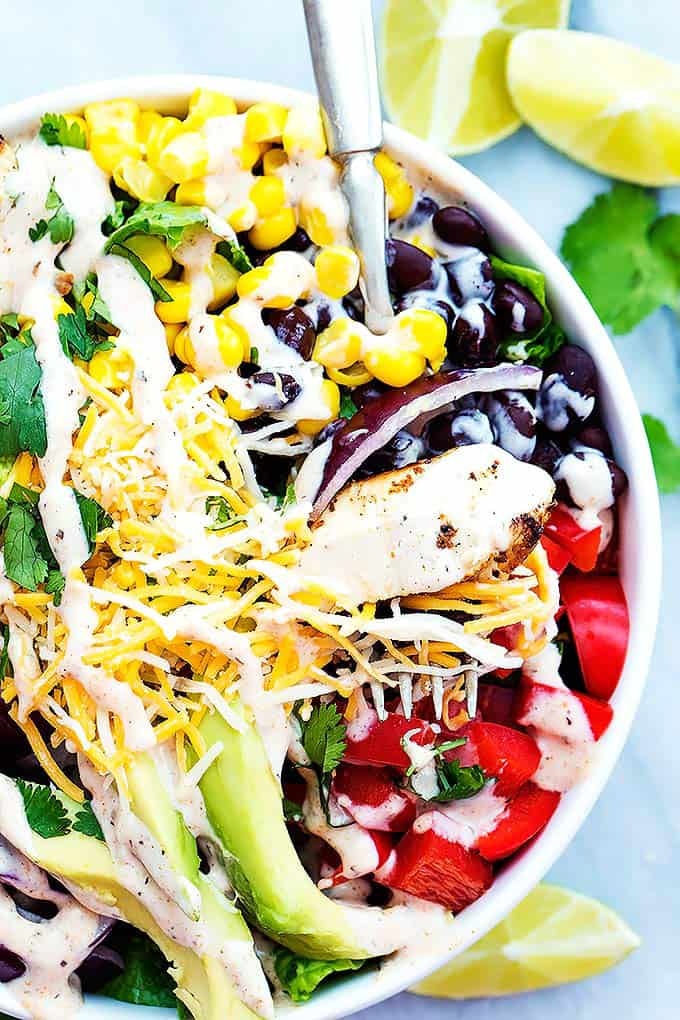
x: 640, y: 521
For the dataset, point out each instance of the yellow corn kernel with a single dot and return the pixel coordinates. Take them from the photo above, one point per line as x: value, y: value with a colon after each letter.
x: 229, y: 342
x: 177, y: 309
x: 314, y: 222
x: 238, y: 413
x: 171, y: 331
x: 23, y: 469
x: 303, y: 133
x: 61, y: 307
x: 191, y: 193
x: 182, y: 384
x: 337, y: 270
x: 101, y: 116
x: 248, y: 154
x: 273, y: 230
x: 112, y: 369
x: 184, y: 348
x: 224, y: 279
x: 128, y: 575
x: 141, y: 180
x: 160, y: 134
x: 110, y: 147
x: 185, y: 157
x: 422, y: 331
x: 268, y: 194
x: 340, y: 345
x: 205, y: 103
x: 330, y: 394
x: 249, y: 283
x: 355, y: 375
x: 265, y: 122
x: 153, y: 252
x: 419, y: 243
x: 280, y: 282
x: 273, y: 160
x: 399, y: 191
x: 149, y: 120
x: 238, y: 328
x: 243, y: 217
x: 394, y: 366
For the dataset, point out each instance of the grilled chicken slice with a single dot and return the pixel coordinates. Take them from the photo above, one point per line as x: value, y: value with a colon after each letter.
x: 429, y: 525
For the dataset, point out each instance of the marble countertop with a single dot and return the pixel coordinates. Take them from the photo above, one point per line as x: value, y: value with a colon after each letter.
x: 627, y: 851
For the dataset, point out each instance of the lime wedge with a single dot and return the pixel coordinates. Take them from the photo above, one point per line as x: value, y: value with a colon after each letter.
x: 443, y: 66
x: 603, y: 103
x: 553, y: 937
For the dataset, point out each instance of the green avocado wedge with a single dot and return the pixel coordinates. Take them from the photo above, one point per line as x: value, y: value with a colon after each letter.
x: 244, y: 805
x: 203, y: 984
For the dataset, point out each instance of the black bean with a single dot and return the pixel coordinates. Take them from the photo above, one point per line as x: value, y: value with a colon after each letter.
x: 353, y: 303
x: 362, y: 395
x: 403, y: 449
x: 457, y: 225
x: 514, y: 423
x: 408, y: 267
x: 576, y: 367
x: 594, y: 437
x: 293, y: 328
x: 298, y: 241
x: 470, y: 278
x: 568, y: 391
x: 424, y: 210
x: 474, y: 338
x: 328, y: 431
x: 546, y: 455
x: 11, y: 965
x: 461, y: 428
x: 101, y: 966
x: 517, y: 309
x: 619, y: 478
x: 274, y: 389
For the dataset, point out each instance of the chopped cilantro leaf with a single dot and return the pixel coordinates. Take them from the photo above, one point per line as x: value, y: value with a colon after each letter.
x: 60, y: 224
x: 158, y: 291
x: 323, y: 737
x: 221, y: 513
x: 665, y: 454
x: 94, y: 518
x: 5, y: 666
x: 458, y: 782
x: 437, y: 752
x: 96, y: 307
x: 145, y: 980
x: 347, y: 406
x: 254, y: 356
x: 54, y: 585
x: 300, y: 977
x: 45, y: 813
x: 9, y: 326
x: 625, y: 262
x: 19, y: 390
x: 5, y: 411
x: 124, y: 207
x: 162, y: 219
x: 24, y: 563
x: 235, y: 254
x: 55, y: 130
x: 86, y: 822
x: 78, y: 339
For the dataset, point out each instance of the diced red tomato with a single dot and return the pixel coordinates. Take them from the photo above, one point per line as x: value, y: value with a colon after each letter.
x: 427, y: 865
x: 524, y: 817
x: 495, y: 703
x: 582, y: 546
x: 557, y: 710
x: 373, y: 799
x: 371, y: 741
x: 598, y: 615
x: 384, y: 844
x: 509, y: 755
x: 558, y: 558
x: 507, y: 637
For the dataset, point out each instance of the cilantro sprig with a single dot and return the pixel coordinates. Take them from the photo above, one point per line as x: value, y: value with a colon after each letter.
x: 458, y: 782
x: 21, y: 404
x: 60, y: 225
x: 665, y: 454
x: 87, y: 823
x: 323, y: 737
x: 56, y: 130
x: 45, y: 813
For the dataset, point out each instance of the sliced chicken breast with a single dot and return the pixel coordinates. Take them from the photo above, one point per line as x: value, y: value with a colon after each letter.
x: 429, y: 525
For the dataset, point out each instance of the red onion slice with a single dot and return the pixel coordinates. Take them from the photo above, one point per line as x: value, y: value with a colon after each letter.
x: 380, y: 420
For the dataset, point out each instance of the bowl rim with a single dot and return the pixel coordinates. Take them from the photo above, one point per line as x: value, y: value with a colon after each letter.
x: 640, y: 528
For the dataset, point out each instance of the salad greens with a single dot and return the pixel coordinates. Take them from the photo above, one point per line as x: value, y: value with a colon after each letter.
x: 665, y: 454
x: 300, y: 977
x: 56, y: 130
x: 145, y: 980
x: 235, y: 254
x: 540, y: 345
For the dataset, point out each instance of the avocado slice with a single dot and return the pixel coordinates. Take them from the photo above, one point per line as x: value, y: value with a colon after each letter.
x: 151, y: 803
x: 203, y: 984
x: 244, y: 805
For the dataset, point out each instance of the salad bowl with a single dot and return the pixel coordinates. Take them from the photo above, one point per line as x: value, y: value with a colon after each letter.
x: 640, y: 537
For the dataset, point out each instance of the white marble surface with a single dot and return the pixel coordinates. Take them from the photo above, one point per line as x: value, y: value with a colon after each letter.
x: 628, y: 852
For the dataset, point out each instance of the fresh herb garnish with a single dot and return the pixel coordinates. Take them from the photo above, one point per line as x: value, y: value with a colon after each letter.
x: 22, y: 402
x: 300, y: 977
x: 24, y: 563
x: 665, y: 454
x: 157, y: 289
x: 221, y: 513
x: 535, y: 350
x: 437, y: 752
x: 161, y: 219
x: 458, y: 782
x: 254, y: 357
x: 94, y: 518
x: 292, y: 812
x: 347, y: 406
x: 124, y: 206
x: 86, y: 822
x: 145, y: 980
x: 624, y: 258
x: 78, y: 338
x: 5, y: 665
x: 323, y: 737
x: 45, y: 813
x: 235, y: 254
x: 54, y: 585
x: 55, y: 130
x: 86, y: 293
x: 60, y: 225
